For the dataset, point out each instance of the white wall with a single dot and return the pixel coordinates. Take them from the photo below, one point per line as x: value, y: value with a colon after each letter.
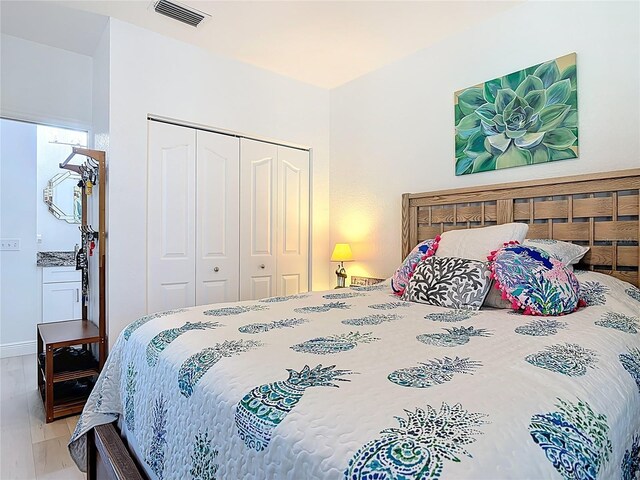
x: 392, y: 130
x: 152, y: 74
x: 100, y: 141
x: 44, y: 84
x: 19, y: 310
x: 38, y: 83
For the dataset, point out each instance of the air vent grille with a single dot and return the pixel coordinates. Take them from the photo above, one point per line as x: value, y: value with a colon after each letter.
x: 178, y: 12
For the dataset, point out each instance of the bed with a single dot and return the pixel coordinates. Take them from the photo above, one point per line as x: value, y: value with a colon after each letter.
x: 355, y: 383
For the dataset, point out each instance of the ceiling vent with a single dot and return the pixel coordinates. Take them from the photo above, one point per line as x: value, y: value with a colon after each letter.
x: 179, y: 12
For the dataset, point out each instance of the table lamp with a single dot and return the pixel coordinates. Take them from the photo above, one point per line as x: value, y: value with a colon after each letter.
x: 341, y: 253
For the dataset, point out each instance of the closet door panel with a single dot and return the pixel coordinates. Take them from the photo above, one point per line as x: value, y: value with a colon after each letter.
x: 258, y: 224
x: 170, y: 217
x: 293, y: 221
x: 217, y: 224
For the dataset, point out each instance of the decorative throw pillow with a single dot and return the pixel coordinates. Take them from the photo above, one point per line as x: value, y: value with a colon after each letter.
x: 400, y: 279
x: 567, y: 253
x: 449, y: 282
x: 534, y: 281
x: 496, y: 298
x: 478, y: 243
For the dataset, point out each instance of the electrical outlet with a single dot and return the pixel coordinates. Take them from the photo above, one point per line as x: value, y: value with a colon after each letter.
x: 10, y: 244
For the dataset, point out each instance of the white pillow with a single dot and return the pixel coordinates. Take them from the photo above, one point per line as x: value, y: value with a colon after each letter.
x: 567, y: 253
x: 478, y: 243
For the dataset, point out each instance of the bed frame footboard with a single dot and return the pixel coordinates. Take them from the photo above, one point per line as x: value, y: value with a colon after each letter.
x: 108, y: 457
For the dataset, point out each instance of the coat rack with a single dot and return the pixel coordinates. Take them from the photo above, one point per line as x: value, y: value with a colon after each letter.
x: 55, y: 335
x: 94, y: 167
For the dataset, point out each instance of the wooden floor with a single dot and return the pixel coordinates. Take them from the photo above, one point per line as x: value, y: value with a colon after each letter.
x: 30, y: 448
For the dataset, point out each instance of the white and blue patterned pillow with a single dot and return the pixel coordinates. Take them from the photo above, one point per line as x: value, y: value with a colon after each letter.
x: 449, y: 282
x: 567, y: 253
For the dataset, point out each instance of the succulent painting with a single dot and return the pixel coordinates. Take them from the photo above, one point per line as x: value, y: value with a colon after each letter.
x: 527, y: 117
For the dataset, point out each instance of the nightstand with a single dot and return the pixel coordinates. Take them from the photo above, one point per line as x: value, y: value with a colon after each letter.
x: 364, y: 281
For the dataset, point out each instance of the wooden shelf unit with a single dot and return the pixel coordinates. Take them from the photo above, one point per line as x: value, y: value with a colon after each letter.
x: 56, y: 335
x: 82, y: 331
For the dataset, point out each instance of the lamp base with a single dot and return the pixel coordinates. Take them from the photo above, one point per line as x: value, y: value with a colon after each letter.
x: 341, y: 273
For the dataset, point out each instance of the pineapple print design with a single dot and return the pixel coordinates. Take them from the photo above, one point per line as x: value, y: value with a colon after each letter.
x: 164, y: 338
x: 147, y: 318
x: 631, y: 461
x: 283, y: 299
x: 569, y: 359
x: 435, y: 372
x: 129, y: 406
x: 334, y: 343
x: 340, y: 296
x: 451, y: 316
x: 194, y: 367
x: 631, y: 363
x: 263, y: 408
x: 419, y: 447
x: 371, y: 288
x: 237, y: 310
x: 323, y: 308
x: 593, y: 293
x: 541, y: 328
x: 574, y: 439
x: 265, y: 327
x: 633, y: 292
x: 203, y: 458
x: 375, y: 319
x: 156, y: 452
x: 390, y: 305
x: 455, y: 336
x: 619, y: 321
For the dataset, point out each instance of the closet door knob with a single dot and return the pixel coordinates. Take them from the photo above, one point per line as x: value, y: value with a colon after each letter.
x: 262, y: 265
x: 216, y: 269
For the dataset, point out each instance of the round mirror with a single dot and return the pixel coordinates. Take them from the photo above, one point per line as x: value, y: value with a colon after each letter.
x: 64, y: 197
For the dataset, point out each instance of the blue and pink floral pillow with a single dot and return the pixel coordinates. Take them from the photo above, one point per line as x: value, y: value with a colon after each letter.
x: 534, y: 281
x: 403, y: 274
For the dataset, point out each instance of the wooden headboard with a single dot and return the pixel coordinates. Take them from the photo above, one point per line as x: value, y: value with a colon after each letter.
x: 598, y: 210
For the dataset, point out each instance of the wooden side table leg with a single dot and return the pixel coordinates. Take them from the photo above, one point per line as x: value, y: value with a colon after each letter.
x: 40, y: 350
x: 48, y: 397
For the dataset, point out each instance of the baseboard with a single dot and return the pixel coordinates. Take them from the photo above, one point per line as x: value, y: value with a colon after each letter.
x: 17, y: 349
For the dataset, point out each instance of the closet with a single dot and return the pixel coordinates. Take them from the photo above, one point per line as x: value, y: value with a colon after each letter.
x: 227, y: 218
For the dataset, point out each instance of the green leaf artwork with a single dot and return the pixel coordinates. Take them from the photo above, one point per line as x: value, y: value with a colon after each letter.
x: 524, y: 118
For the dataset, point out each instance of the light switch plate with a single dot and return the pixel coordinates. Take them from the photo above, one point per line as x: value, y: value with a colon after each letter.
x: 7, y: 244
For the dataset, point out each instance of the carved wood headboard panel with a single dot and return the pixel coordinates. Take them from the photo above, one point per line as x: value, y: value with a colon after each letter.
x: 598, y: 210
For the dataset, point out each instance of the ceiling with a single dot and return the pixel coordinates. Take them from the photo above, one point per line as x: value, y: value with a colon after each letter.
x: 324, y: 43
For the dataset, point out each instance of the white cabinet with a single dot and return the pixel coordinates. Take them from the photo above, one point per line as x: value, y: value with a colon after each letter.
x: 227, y: 219
x: 61, y: 294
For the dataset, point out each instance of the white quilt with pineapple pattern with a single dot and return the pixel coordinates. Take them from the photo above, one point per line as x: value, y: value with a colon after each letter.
x: 356, y: 384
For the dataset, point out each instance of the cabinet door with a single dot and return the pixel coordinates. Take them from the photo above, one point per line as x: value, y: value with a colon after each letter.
x: 61, y: 301
x: 171, y: 217
x: 217, y: 218
x: 258, y: 204
x: 292, y: 260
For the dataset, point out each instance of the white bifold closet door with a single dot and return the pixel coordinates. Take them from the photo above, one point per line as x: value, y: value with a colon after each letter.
x: 192, y: 217
x: 274, y: 223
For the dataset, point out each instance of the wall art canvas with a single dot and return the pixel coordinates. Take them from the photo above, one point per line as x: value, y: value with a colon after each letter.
x: 527, y: 117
